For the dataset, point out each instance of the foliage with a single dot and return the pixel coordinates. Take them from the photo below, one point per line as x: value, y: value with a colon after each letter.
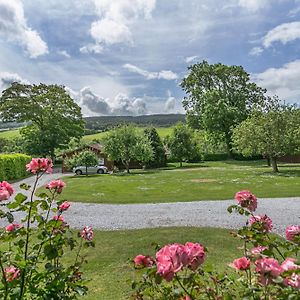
x: 53, y: 115
x: 105, y: 123
x: 12, y: 166
x: 268, y: 269
x: 32, y: 261
x: 85, y: 158
x: 272, y: 134
x: 181, y: 143
x: 219, y: 97
x: 159, y: 154
x: 127, y: 144
x: 11, y: 145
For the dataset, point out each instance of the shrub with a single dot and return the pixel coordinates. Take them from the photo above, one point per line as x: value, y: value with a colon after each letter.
x: 268, y: 269
x: 33, y: 262
x: 12, y: 166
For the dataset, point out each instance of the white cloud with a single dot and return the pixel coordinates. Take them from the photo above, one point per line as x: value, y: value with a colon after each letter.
x: 64, y: 53
x: 94, y: 105
x: 164, y: 74
x: 254, y: 5
x: 90, y: 48
x: 116, y: 21
x: 189, y: 59
x: 283, y: 33
x: 256, y: 51
x: 283, y: 81
x: 14, y: 28
x: 6, y: 79
x: 170, y: 103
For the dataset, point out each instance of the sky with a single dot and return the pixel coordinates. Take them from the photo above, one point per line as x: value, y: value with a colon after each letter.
x: 128, y: 57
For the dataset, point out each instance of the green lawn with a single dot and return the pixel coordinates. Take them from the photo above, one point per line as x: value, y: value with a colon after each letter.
x: 202, y: 181
x: 108, y: 263
x: 162, y: 131
x: 9, y: 134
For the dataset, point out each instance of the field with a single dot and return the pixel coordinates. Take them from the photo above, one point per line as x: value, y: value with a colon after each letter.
x: 202, y: 181
x: 9, y: 134
x: 108, y: 265
x: 162, y: 131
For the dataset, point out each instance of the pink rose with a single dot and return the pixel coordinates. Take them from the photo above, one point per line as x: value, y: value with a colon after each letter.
x: 292, y: 231
x: 268, y: 268
x: 145, y: 261
x: 264, y: 221
x: 11, y: 273
x: 12, y: 227
x: 258, y: 250
x: 58, y: 218
x: 38, y: 165
x: 87, y: 233
x: 6, y: 190
x: 289, y: 264
x: 56, y: 185
x: 195, y: 254
x: 293, y: 280
x: 246, y: 199
x: 241, y: 264
x: 64, y: 206
x: 170, y: 259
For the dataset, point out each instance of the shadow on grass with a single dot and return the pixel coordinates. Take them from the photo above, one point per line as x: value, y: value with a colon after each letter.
x: 283, y: 173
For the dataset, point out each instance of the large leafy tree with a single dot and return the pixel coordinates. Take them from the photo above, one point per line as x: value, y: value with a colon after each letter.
x: 181, y: 143
x: 86, y: 158
x: 53, y: 116
x: 219, y: 97
x: 127, y: 144
x: 159, y: 154
x: 272, y: 133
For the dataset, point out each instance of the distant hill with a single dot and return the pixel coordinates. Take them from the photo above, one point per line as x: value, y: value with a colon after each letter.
x: 104, y: 123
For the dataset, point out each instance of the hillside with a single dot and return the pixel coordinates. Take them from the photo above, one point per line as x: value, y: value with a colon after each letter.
x: 103, y: 123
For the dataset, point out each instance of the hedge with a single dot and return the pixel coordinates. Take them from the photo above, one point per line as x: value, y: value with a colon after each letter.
x: 13, y: 166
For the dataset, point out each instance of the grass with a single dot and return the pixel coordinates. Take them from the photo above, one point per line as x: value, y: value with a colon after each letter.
x: 108, y: 263
x: 9, y: 134
x: 162, y: 131
x: 202, y: 181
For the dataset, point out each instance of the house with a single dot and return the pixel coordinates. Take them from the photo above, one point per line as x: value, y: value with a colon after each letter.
x: 98, y: 149
x: 290, y: 158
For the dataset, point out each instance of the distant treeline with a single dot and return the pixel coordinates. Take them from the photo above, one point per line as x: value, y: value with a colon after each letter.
x: 104, y: 123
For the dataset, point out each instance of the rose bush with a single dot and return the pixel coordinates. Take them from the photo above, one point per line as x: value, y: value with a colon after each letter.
x: 269, y: 268
x: 32, y: 259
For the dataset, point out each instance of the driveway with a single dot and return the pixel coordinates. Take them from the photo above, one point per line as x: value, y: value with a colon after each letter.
x: 283, y: 212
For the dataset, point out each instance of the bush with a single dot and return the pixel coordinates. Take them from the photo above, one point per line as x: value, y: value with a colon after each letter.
x: 215, y: 156
x: 36, y: 264
x: 12, y: 166
x: 268, y: 270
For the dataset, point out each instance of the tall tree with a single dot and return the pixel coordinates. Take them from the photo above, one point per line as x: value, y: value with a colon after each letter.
x: 159, y: 154
x: 53, y: 116
x: 219, y: 97
x: 87, y: 159
x: 181, y: 143
x: 273, y: 134
x: 127, y: 144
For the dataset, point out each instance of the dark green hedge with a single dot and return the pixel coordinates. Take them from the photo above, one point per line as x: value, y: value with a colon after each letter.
x: 13, y: 166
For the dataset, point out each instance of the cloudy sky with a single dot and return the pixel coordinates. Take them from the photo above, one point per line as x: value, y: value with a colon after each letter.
x: 127, y: 57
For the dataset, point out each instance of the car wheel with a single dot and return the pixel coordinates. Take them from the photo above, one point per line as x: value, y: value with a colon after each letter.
x: 78, y: 172
x: 100, y: 171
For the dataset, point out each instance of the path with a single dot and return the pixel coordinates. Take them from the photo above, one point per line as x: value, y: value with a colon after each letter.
x: 283, y: 212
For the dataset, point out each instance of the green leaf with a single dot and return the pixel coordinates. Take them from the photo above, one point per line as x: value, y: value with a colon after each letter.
x: 10, y: 217
x: 20, y: 198
x: 25, y: 186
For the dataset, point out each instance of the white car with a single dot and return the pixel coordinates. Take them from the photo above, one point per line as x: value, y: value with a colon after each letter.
x: 90, y: 170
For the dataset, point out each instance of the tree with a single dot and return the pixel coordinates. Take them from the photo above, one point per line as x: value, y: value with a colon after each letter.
x: 219, y: 97
x: 85, y: 158
x: 272, y: 134
x: 159, y: 154
x: 181, y: 143
x: 53, y: 116
x: 126, y: 144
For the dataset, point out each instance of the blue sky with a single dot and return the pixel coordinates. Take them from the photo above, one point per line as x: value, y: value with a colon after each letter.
x: 127, y: 57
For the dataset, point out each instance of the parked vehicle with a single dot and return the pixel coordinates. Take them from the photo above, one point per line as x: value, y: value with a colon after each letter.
x: 90, y: 170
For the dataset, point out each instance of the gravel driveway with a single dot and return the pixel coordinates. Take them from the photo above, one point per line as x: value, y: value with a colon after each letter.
x: 283, y: 212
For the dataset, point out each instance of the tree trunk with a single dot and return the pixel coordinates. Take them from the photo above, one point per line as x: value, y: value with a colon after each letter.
x: 268, y: 161
x: 127, y: 167
x: 274, y: 164
x: 86, y: 174
x: 228, y: 145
